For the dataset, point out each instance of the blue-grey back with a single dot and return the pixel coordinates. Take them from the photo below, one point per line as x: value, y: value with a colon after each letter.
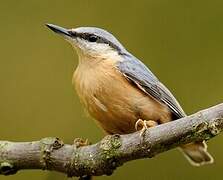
x: 135, y: 71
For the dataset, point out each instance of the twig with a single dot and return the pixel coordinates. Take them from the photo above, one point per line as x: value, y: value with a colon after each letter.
x: 112, y: 151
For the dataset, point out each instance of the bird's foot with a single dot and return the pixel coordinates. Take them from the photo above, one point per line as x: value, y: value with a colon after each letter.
x: 143, y: 125
x: 78, y: 142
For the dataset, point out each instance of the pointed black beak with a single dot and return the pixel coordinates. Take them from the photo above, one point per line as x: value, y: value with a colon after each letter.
x: 58, y: 29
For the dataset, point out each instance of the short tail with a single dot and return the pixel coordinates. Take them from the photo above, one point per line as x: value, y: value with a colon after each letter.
x: 197, y: 153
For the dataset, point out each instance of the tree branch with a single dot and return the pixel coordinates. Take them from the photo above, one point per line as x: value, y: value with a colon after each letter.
x: 112, y: 151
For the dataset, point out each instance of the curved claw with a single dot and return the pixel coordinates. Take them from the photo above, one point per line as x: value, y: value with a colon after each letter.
x: 78, y: 142
x: 145, y: 125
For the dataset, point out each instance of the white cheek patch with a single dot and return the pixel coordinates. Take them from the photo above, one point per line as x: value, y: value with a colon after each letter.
x: 84, y: 45
x: 101, y: 46
x: 92, y: 48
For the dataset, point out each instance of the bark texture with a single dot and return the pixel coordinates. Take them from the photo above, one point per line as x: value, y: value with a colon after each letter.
x: 112, y: 151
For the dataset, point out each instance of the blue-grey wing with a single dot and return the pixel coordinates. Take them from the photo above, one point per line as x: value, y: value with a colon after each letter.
x: 136, y: 72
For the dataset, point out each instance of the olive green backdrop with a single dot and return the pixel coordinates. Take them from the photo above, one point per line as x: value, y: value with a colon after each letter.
x: 180, y: 40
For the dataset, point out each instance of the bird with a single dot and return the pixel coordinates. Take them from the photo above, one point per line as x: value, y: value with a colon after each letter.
x: 119, y: 91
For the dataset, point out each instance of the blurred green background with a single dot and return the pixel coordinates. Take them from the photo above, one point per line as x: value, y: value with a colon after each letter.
x: 180, y: 40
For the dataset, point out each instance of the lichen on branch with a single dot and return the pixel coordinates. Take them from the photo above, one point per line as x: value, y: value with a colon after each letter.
x: 112, y: 151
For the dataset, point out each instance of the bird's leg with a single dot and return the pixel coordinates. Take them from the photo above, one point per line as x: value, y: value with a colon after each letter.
x: 144, y: 125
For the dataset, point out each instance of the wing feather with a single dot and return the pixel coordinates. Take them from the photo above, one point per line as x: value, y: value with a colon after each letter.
x: 136, y: 72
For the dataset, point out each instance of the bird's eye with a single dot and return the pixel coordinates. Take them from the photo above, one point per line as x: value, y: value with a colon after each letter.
x: 93, y: 38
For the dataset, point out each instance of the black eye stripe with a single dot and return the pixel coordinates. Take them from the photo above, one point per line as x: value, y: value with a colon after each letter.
x: 72, y: 33
x: 86, y: 36
x: 100, y: 39
x: 89, y: 37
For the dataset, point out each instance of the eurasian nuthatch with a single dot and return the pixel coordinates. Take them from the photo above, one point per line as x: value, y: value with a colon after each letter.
x: 119, y: 91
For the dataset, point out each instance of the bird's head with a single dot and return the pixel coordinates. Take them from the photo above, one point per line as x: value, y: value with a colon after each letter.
x: 90, y: 41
